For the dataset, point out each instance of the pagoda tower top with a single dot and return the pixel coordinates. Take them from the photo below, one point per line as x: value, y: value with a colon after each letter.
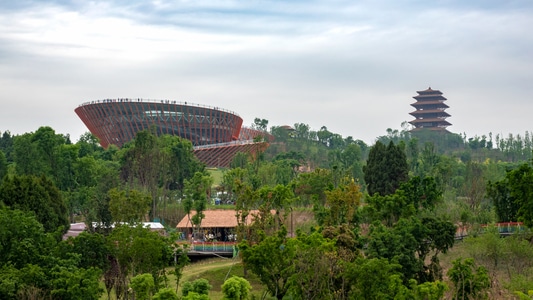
x: 430, y: 111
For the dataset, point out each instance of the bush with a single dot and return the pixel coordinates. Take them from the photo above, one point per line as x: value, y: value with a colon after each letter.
x: 236, y: 288
x: 199, y: 286
x: 142, y: 285
x: 195, y: 296
x: 165, y: 294
x: 468, y: 280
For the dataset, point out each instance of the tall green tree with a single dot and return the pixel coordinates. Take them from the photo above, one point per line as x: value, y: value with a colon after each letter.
x: 94, y: 197
x: 138, y: 250
x: 272, y: 261
x: 65, y: 172
x: 22, y: 238
x: 89, y: 144
x: 513, y: 195
x: 38, y: 195
x: 71, y: 283
x: 521, y: 189
x: 92, y: 249
x: 27, y: 157
x: 422, y: 193
x: 182, y: 162
x: 311, y: 187
x: 143, y: 286
x: 409, y: 242
x: 245, y: 200
x: 278, y: 198
x: 470, y: 281
x: 375, y: 278
x: 6, y: 144
x: 341, y: 205
x: 414, y: 196
x: 195, y: 197
x: 351, y: 158
x: 260, y: 124
x: 302, y: 131
x: 475, y: 185
x: 386, y: 168
x: 32, y: 265
x: 129, y: 206
x: 319, y: 268
x: 158, y: 165
x: 3, y: 165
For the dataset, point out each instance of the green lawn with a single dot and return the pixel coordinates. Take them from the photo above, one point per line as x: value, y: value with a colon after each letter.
x: 217, y: 175
x: 215, y: 270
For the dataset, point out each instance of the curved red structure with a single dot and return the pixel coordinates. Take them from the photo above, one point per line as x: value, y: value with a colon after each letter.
x: 216, y: 133
x: 116, y: 121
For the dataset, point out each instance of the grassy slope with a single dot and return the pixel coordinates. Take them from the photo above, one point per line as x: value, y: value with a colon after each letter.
x: 217, y: 175
x: 216, y: 271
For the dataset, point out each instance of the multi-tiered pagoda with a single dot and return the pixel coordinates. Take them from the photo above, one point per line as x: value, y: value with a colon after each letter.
x: 430, y: 111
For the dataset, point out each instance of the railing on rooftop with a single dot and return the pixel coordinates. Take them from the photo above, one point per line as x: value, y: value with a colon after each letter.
x: 234, y: 143
x: 185, y: 103
x: 227, y: 247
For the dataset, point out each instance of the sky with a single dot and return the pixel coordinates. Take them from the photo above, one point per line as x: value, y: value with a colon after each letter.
x: 351, y: 66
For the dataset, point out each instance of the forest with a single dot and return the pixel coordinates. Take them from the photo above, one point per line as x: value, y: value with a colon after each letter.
x: 415, y: 215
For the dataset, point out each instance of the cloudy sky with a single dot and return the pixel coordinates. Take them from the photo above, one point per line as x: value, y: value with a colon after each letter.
x: 352, y: 66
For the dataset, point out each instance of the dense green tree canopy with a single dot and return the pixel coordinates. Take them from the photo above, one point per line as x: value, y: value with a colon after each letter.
x: 513, y: 195
x: 271, y: 260
x: 33, y: 262
x: 128, y: 206
x: 3, y: 165
x: 38, y: 195
x: 138, y: 250
x: 341, y: 204
x: 22, y: 238
x: 409, y: 242
x: 386, y: 168
x: 343, y: 257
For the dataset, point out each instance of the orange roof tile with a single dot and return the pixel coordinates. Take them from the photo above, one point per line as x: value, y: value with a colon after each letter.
x: 219, y: 218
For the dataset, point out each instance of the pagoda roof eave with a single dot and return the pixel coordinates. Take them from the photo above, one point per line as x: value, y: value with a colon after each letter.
x: 435, y: 120
x: 433, y: 111
x: 426, y: 103
x: 430, y: 96
x: 443, y: 129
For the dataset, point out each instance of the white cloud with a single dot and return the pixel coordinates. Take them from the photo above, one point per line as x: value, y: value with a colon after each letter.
x: 352, y: 68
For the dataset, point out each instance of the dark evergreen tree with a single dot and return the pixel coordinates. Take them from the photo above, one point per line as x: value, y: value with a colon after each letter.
x: 375, y: 169
x: 398, y: 169
x: 3, y: 165
x: 6, y: 145
x: 386, y: 168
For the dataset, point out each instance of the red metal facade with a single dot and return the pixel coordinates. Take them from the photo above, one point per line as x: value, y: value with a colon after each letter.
x: 222, y: 155
x: 116, y: 121
x: 215, y: 133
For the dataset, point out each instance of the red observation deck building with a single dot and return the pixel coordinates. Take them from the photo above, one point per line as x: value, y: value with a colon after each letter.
x: 430, y: 111
x: 217, y: 134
